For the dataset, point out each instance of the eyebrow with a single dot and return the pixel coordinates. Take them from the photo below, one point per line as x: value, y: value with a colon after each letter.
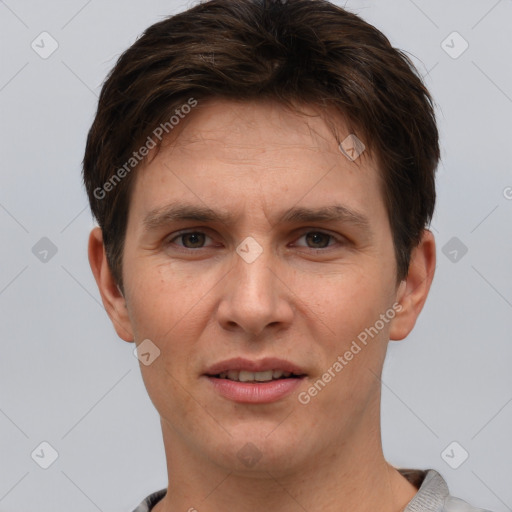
x: 179, y: 211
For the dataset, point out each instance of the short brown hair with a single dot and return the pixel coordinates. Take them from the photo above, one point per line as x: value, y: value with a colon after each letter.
x: 295, y: 51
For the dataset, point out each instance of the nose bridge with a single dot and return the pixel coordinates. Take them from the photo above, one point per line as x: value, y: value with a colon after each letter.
x: 252, y: 298
x: 252, y: 273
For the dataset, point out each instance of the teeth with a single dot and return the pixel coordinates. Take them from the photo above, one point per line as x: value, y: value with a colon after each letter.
x: 263, y: 376
x: 258, y: 376
x: 245, y: 376
x: 233, y: 375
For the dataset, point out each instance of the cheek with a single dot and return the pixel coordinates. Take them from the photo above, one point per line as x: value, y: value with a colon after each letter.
x: 346, y: 303
x: 166, y: 312
x: 162, y: 301
x: 350, y: 307
x: 168, y: 308
x: 174, y: 399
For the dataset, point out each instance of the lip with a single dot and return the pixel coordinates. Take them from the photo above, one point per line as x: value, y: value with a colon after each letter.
x: 241, y: 363
x: 257, y: 392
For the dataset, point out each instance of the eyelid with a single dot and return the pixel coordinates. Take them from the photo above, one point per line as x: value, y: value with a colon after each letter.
x: 299, y: 234
x: 336, y: 237
x: 170, y: 239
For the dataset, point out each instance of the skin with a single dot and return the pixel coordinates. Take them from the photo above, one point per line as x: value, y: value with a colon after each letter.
x: 304, y: 299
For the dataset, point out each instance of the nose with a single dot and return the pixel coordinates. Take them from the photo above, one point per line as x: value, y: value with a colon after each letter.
x: 255, y: 297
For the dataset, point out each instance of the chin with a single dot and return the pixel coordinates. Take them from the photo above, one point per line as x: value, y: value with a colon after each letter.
x: 259, y: 451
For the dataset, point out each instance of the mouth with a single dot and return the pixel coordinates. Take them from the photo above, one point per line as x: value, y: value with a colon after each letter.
x: 254, y: 377
x: 245, y: 381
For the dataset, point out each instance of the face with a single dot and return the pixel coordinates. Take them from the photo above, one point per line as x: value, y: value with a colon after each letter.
x: 253, y: 243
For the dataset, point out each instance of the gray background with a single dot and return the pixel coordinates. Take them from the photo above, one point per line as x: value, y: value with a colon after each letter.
x: 65, y: 378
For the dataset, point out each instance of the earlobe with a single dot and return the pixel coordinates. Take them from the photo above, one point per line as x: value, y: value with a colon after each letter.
x: 111, y: 295
x: 413, y: 290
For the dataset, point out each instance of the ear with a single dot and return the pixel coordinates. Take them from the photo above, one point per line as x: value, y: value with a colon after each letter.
x: 412, y: 292
x: 111, y: 295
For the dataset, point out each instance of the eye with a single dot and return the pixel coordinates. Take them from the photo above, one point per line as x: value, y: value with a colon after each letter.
x: 190, y: 239
x: 318, y: 239
x: 198, y: 240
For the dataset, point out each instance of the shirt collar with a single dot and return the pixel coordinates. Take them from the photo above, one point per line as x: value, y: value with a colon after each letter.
x: 430, y: 497
x: 432, y: 493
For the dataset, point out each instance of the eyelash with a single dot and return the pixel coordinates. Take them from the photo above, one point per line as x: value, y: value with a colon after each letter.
x: 304, y: 233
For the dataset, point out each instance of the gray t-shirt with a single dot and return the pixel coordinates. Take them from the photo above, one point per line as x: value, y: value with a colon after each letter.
x: 432, y: 496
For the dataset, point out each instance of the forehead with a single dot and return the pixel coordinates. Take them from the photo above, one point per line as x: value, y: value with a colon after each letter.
x: 240, y: 129
x: 227, y: 154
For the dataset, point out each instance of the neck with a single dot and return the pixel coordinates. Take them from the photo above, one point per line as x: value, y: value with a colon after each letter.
x: 351, y: 476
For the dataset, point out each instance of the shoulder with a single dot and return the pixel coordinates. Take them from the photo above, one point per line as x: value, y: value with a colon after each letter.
x: 452, y: 504
x: 433, y: 493
x: 148, y: 503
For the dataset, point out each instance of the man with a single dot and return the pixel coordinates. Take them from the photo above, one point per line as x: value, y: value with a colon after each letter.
x: 262, y: 173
